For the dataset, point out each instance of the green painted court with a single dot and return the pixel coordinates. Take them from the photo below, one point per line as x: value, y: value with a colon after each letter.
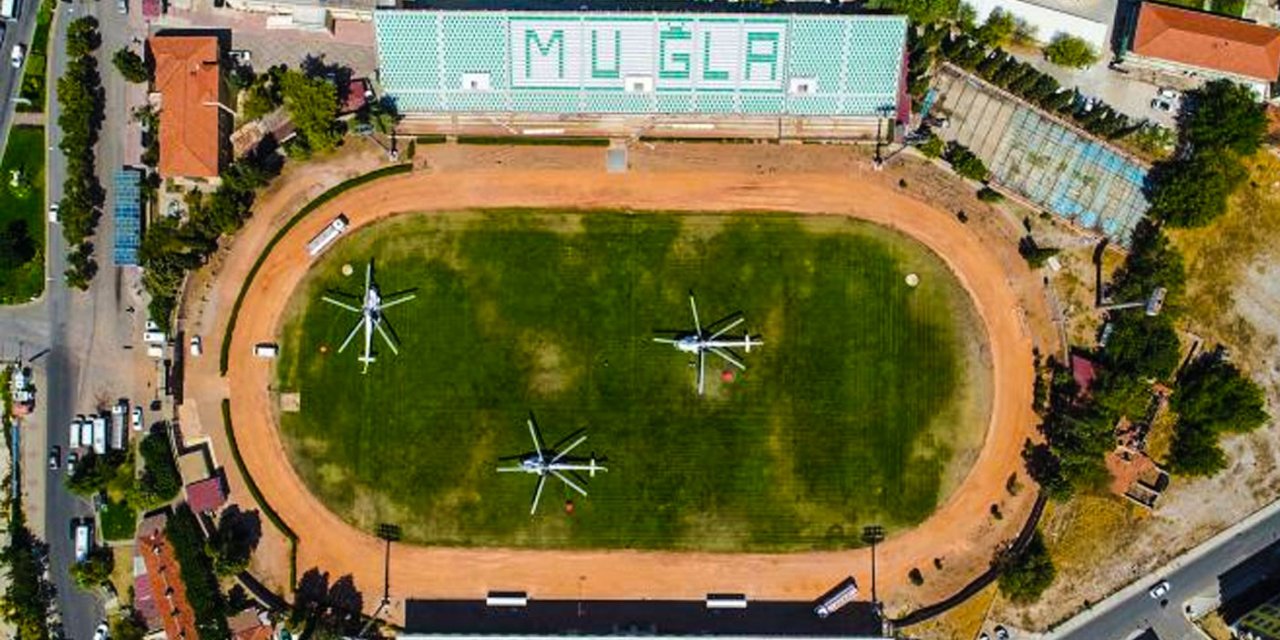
x: 866, y: 404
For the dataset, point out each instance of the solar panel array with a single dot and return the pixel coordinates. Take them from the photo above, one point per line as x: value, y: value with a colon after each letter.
x: 128, y: 216
x: 640, y: 63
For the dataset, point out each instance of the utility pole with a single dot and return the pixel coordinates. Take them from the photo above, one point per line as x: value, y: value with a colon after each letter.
x: 873, y: 535
x: 388, y: 533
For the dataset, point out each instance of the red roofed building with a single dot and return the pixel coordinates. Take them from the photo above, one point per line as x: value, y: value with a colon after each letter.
x: 1194, y: 43
x: 206, y: 495
x: 189, y: 80
x: 1083, y: 371
x: 164, y: 582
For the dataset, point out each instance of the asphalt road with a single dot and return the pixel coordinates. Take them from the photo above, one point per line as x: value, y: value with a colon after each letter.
x: 1198, y: 572
x: 15, y: 32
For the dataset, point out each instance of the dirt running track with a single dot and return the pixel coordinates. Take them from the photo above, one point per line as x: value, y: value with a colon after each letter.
x: 962, y: 531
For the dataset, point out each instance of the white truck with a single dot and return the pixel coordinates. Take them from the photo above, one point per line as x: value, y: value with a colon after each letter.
x: 74, y: 440
x: 83, y: 535
x: 326, y: 236
x: 99, y: 435
x: 118, y: 427
x: 9, y: 9
x: 86, y: 432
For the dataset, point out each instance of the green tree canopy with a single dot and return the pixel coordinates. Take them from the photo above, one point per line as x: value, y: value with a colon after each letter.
x: 1152, y: 262
x: 313, y: 106
x: 1192, y: 191
x: 95, y: 570
x: 1069, y: 51
x: 1215, y: 393
x: 1027, y: 575
x: 1195, y: 451
x: 83, y: 37
x: 1224, y: 115
x: 16, y: 245
x: 130, y: 65
x: 1142, y: 346
x: 998, y: 29
x: 921, y: 11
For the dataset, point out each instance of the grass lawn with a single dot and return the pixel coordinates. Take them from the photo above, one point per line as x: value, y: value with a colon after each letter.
x: 25, y: 152
x: 856, y: 410
x: 119, y: 521
x: 33, y: 76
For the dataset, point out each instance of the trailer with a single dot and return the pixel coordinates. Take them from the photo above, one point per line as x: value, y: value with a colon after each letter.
x: 86, y: 432
x: 73, y: 440
x: 99, y: 435
x: 318, y: 244
x: 118, y: 426
x: 9, y: 9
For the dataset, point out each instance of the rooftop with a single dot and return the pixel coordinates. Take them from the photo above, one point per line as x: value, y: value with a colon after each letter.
x: 188, y: 71
x: 168, y: 591
x: 1208, y: 41
x: 206, y: 495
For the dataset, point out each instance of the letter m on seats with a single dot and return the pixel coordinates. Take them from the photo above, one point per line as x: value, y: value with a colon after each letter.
x: 554, y: 43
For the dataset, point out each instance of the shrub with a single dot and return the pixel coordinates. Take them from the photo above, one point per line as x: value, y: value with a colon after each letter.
x: 1069, y: 51
x: 130, y: 65
x: 160, y: 481
x: 1026, y: 575
x: 964, y: 162
x: 932, y: 147
x: 1034, y: 254
x: 95, y: 570
x: 987, y: 194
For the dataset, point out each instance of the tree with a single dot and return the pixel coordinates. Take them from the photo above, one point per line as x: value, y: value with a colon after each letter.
x: 1152, y: 262
x: 922, y: 11
x: 1193, y: 191
x: 997, y: 30
x: 130, y: 65
x: 1212, y: 391
x: 1224, y: 115
x: 28, y: 595
x: 932, y: 147
x: 83, y: 37
x: 965, y: 163
x: 95, y: 570
x: 1069, y: 51
x: 313, y: 106
x: 16, y: 245
x: 1033, y: 253
x: 1142, y: 346
x: 1195, y: 451
x: 1026, y: 575
x: 128, y: 627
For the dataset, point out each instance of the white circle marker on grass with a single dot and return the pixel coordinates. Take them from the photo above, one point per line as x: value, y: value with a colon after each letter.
x: 912, y: 280
x: 347, y: 269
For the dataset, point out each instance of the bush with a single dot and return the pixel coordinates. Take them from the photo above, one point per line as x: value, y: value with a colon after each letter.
x: 964, y: 162
x: 932, y: 147
x: 1025, y: 576
x: 987, y: 194
x: 16, y: 245
x: 184, y: 533
x: 1213, y: 397
x: 130, y: 65
x: 1069, y: 51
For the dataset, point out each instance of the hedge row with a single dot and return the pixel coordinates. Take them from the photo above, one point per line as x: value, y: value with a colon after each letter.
x: 203, y: 593
x: 297, y: 217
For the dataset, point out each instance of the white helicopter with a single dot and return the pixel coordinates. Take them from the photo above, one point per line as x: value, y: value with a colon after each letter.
x: 543, y: 462
x: 370, y: 318
x: 700, y: 342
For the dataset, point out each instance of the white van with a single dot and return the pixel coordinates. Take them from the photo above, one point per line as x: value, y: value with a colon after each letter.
x: 266, y: 350
x: 152, y: 336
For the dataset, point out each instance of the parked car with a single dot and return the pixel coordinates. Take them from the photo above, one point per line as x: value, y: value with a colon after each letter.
x: 197, y: 346
x: 122, y: 6
x: 53, y: 213
x: 72, y: 459
x: 15, y: 56
x: 1161, y: 104
x: 1001, y: 633
x: 101, y: 632
x: 1157, y: 592
x: 135, y: 419
x: 55, y: 457
x: 1168, y: 93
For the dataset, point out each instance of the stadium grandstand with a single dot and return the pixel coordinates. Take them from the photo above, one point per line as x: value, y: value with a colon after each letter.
x: 614, y: 73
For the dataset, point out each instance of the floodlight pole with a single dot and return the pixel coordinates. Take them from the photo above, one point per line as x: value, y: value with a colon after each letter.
x: 873, y: 534
x: 389, y: 533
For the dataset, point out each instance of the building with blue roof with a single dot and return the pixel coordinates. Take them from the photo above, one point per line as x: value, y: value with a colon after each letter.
x: 127, y: 191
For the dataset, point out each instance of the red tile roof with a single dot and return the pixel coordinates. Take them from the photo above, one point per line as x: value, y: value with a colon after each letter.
x: 170, y: 594
x: 144, y: 601
x: 206, y: 495
x: 187, y: 77
x: 1082, y: 369
x: 1208, y: 41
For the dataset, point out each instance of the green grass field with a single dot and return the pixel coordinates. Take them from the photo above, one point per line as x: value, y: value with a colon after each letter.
x: 857, y: 410
x: 24, y: 151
